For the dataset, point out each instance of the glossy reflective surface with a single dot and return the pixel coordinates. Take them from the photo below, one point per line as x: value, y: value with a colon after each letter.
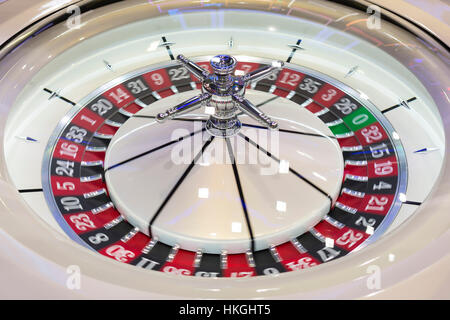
x: 206, y: 210
x: 424, y: 226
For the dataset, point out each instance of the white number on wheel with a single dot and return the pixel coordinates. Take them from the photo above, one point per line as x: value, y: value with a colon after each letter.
x: 349, y: 238
x: 365, y: 222
x: 102, y: 106
x: 157, y: 79
x: 68, y: 149
x: 377, y: 204
x: 98, y: 238
x: 371, y: 134
x: 120, y: 253
x: 302, y: 263
x: 82, y: 222
x: 137, y: 86
x: 309, y: 85
x: 382, y: 169
x: 345, y: 106
x: 179, y: 74
x: 329, y: 95
x: 119, y: 96
x: 291, y: 79
x: 76, y: 134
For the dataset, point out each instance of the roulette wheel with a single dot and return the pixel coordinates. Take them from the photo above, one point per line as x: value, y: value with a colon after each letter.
x: 224, y: 149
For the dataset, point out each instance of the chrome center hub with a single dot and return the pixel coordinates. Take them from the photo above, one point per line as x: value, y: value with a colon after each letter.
x: 223, y: 95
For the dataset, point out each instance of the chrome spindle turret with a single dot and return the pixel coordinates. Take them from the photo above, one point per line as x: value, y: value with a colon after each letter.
x: 225, y: 92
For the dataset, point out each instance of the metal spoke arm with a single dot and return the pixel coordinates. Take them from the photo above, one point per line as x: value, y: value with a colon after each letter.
x: 263, y: 72
x: 194, y: 68
x: 186, y: 106
x: 251, y: 110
